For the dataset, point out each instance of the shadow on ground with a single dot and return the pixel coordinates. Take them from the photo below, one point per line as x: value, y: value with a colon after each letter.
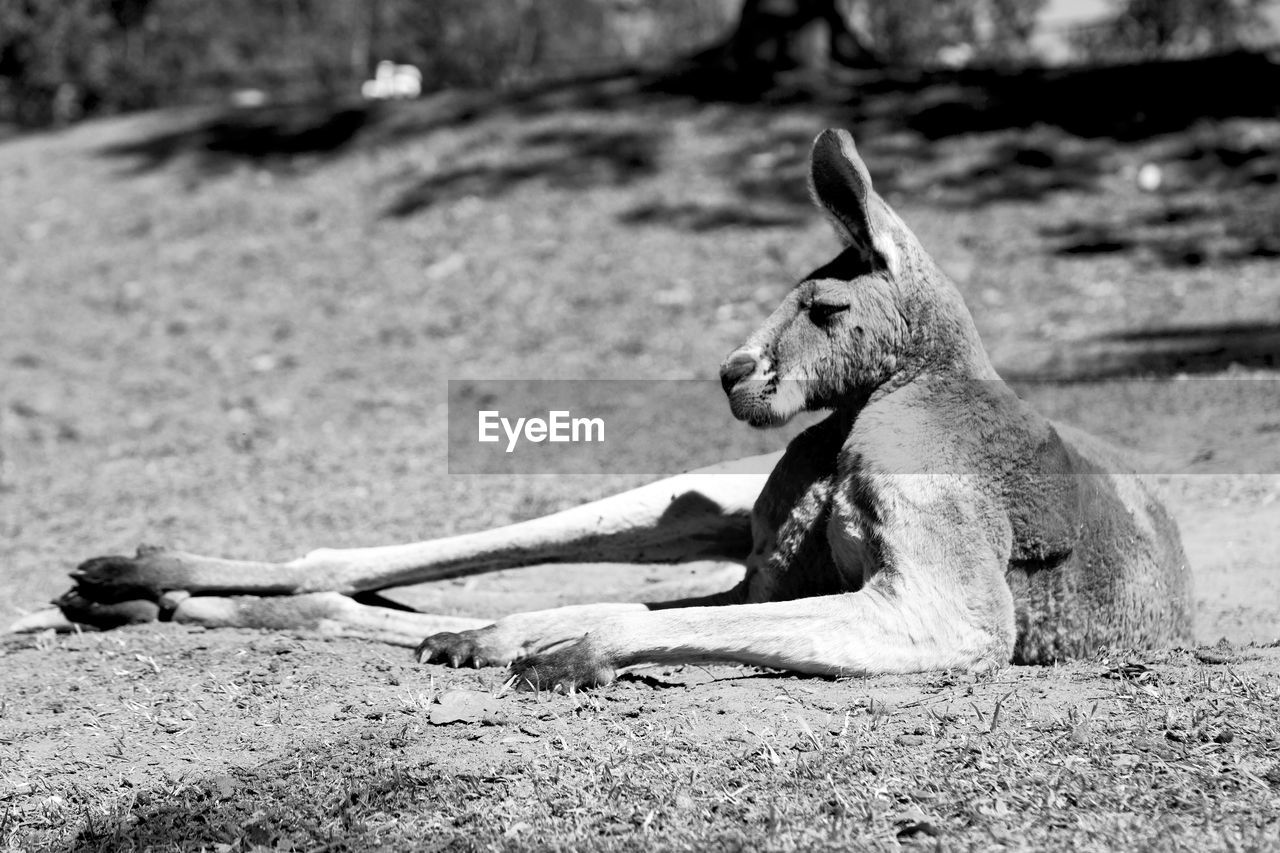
x: 962, y: 139
x: 277, y: 134
x: 310, y: 797
x: 1217, y: 202
x: 1121, y: 102
x: 690, y: 216
x: 266, y: 135
x: 1163, y: 352
x: 1074, y: 117
x: 1048, y: 129
x: 569, y: 159
x: 547, y: 769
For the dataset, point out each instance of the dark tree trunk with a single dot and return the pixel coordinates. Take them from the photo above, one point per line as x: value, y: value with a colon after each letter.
x: 780, y: 34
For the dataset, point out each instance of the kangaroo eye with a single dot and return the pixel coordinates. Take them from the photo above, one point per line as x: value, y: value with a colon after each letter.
x: 821, y: 313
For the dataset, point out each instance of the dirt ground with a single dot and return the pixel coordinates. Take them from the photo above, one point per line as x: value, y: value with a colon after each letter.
x: 167, y: 737
x: 243, y: 351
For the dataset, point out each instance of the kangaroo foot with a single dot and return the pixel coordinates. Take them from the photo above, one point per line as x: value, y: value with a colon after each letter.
x: 106, y: 614
x: 116, y: 578
x: 474, y: 648
x: 580, y: 664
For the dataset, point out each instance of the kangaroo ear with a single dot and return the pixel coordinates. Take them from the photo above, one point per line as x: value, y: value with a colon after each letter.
x: 841, y: 187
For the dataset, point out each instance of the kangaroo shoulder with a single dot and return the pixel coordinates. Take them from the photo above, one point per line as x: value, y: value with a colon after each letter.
x: 947, y: 427
x: 980, y: 434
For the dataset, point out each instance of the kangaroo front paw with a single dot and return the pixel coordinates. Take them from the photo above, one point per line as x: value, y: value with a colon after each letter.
x: 580, y: 664
x: 477, y: 647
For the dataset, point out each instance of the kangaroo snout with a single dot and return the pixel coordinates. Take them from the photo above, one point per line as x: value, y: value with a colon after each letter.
x: 738, y: 366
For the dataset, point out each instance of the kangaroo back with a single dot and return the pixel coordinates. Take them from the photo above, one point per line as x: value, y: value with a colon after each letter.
x: 1126, y: 581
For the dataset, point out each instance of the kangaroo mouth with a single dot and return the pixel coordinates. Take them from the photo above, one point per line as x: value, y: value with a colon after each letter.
x: 752, y: 401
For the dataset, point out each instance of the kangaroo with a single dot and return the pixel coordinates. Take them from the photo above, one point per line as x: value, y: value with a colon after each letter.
x: 932, y: 521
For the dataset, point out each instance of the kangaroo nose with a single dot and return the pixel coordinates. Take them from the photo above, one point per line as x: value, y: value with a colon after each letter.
x: 737, y: 367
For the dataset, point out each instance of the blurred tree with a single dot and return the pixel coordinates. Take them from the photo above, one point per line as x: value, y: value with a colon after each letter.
x: 1145, y: 29
x: 1012, y: 26
x: 816, y: 33
x: 46, y: 54
x: 782, y: 34
x: 453, y: 42
x: 912, y: 32
x: 63, y: 58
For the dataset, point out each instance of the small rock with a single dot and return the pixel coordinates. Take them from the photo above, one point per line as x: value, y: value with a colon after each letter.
x: 924, y: 827
x: 1149, y: 177
x: 465, y: 706
x: 1154, y: 746
x: 446, y: 267
x: 914, y: 822
x: 1215, y: 656
x: 224, y: 786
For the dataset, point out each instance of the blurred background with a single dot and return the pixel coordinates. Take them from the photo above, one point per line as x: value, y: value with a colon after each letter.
x: 61, y: 61
x: 243, y: 245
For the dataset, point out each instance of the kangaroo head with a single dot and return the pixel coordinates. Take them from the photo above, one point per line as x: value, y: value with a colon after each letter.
x: 878, y: 315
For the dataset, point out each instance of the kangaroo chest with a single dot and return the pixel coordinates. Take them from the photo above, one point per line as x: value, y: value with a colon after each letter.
x: 815, y: 544
x: 808, y: 537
